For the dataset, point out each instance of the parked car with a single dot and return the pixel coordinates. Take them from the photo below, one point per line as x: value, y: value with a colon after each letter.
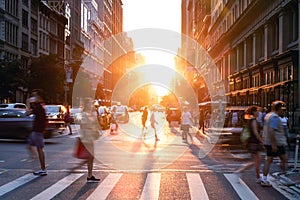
x: 104, y: 117
x: 55, y: 115
x: 173, y: 114
x: 14, y: 105
x: 121, y: 113
x: 15, y: 124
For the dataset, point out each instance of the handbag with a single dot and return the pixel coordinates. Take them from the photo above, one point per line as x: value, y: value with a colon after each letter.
x: 81, y: 152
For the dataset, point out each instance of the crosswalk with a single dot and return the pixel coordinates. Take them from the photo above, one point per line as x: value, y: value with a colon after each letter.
x: 151, y: 186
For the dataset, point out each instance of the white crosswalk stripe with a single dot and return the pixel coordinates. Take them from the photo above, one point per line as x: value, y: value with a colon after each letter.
x: 103, y: 190
x: 150, y: 189
x: 240, y: 187
x: 57, y: 187
x: 16, y: 183
x: 196, y: 186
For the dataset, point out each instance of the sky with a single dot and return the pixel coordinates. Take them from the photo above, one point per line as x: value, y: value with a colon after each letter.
x: 164, y: 14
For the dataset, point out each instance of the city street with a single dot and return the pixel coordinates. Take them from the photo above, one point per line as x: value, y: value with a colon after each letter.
x: 131, y: 167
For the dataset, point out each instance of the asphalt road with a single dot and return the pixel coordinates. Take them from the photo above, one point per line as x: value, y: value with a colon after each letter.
x: 133, y: 167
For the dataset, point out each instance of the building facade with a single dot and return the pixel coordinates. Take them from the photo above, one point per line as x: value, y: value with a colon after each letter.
x: 255, y: 46
x: 29, y: 29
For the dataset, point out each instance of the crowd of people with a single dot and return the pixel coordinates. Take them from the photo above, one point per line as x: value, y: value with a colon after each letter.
x: 268, y: 133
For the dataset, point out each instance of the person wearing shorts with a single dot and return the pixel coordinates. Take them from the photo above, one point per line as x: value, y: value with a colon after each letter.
x: 36, y: 138
x: 274, y: 139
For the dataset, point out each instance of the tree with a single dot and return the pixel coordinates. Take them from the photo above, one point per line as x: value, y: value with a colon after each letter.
x: 48, y: 74
x: 13, y: 76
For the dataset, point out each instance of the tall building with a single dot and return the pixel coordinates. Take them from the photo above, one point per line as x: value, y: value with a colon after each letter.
x: 29, y: 28
x: 255, y: 46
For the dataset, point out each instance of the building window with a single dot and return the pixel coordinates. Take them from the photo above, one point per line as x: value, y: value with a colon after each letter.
x: 34, y: 27
x: 11, y: 33
x: 249, y: 51
x: 33, y: 47
x: 293, y: 26
x: 25, y: 2
x: 274, y: 34
x: 25, y: 41
x: 246, y: 82
x: 269, y: 77
x: 25, y: 18
x: 11, y: 6
x: 259, y: 44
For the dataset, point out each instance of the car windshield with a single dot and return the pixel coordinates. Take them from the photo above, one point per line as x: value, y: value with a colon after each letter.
x: 76, y: 110
x: 52, y: 109
x: 3, y: 105
x: 120, y: 109
x: 11, y: 113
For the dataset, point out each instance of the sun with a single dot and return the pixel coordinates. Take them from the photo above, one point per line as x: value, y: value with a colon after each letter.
x: 161, y: 91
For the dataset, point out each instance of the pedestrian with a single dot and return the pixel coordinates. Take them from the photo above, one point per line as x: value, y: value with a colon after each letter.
x: 144, y: 120
x: 264, y: 113
x: 201, y: 120
x: 259, y: 117
x: 274, y: 140
x: 186, y: 123
x: 153, y: 123
x: 234, y: 119
x: 89, y: 132
x: 36, y: 137
x: 254, y: 144
x: 285, y: 122
x: 67, y: 120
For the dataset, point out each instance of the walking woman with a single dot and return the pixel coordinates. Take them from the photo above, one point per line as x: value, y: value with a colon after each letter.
x: 255, y: 143
x: 89, y: 128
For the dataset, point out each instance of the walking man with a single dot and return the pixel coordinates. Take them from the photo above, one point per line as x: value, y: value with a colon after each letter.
x: 186, y: 123
x: 274, y: 139
x: 36, y: 137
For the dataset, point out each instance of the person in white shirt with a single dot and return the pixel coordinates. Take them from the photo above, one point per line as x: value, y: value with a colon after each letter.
x: 186, y: 123
x: 284, y: 121
x: 153, y: 122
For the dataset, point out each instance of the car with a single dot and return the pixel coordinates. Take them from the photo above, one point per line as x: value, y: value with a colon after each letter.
x: 14, y: 105
x: 121, y: 113
x: 15, y: 124
x: 55, y: 115
x: 104, y: 117
x: 173, y: 114
x: 76, y: 115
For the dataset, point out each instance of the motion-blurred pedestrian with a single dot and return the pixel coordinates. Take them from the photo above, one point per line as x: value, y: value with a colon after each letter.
x: 36, y: 137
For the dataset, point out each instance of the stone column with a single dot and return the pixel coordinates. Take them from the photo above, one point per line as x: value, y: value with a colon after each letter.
x: 280, y: 33
x: 266, y: 43
x: 254, y: 59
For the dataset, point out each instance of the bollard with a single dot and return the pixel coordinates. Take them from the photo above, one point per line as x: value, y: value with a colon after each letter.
x: 296, y: 152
